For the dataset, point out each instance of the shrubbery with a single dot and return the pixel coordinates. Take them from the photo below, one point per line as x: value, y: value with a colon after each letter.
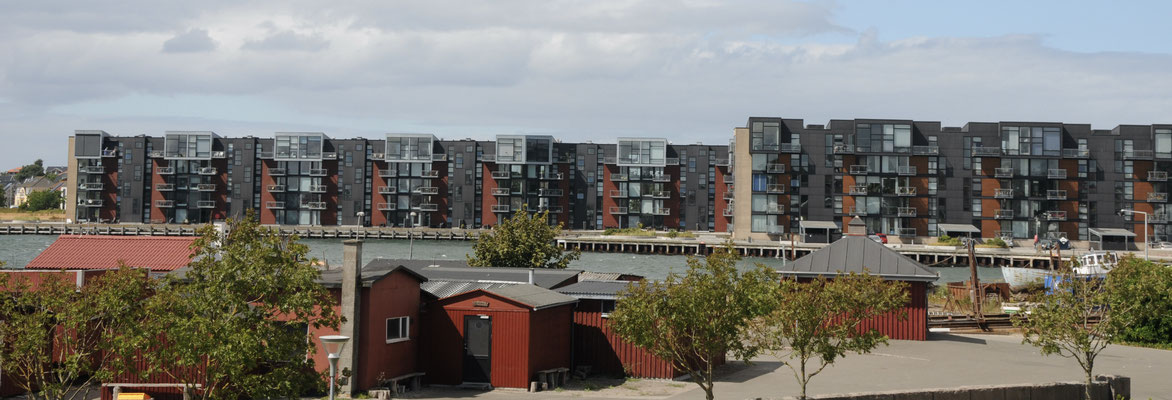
x: 945, y: 240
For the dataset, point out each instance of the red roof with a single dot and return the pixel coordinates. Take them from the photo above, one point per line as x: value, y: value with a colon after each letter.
x: 105, y: 252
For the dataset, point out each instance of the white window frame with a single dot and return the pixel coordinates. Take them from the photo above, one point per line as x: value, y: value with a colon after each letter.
x: 404, y: 327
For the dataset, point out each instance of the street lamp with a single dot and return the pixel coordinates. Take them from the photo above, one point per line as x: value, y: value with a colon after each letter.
x: 411, y: 238
x: 333, y: 345
x: 1146, y: 241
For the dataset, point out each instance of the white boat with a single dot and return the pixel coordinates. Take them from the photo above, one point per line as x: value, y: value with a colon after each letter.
x: 1093, y: 264
x: 1021, y: 278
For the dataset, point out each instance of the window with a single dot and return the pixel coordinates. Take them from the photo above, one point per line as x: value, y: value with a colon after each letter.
x: 398, y: 329
x: 607, y: 307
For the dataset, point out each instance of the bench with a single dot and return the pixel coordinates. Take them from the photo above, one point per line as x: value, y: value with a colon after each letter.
x: 401, y: 383
x: 550, y: 379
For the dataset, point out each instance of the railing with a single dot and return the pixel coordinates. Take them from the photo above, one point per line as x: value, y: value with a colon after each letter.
x: 266, y: 155
x: 661, y: 194
x: 1076, y: 153
x: 1138, y: 155
x: 906, y: 169
x: 109, y: 152
x: 317, y: 188
x: 722, y: 162
x: 618, y: 193
x: 502, y: 192
x: 1155, y: 196
x: 1158, y: 218
x: 431, y: 173
x: 661, y: 211
x: 844, y: 149
x: 908, y: 211
x: 775, y: 188
x: 618, y: 210
x: 549, y: 192
x: 165, y: 187
x: 275, y: 188
x: 500, y: 208
x: 856, y: 211
x: 986, y: 151
x: 1003, y: 172
x: 314, y: 205
x: 378, y: 156
x: 501, y: 174
x: 427, y: 190
x: 219, y: 154
x: 206, y: 187
x: 728, y: 211
x: 1056, y: 215
x: 790, y: 147
x: 672, y: 160
x: 489, y: 158
x: 277, y: 172
x: 275, y: 205
x: 859, y: 169
x: 427, y: 207
x: 388, y: 190
x: 317, y: 172
x: 1158, y: 176
x: 774, y: 209
x: 388, y: 173
x: 90, y: 186
x: 1056, y: 173
x: 554, y: 176
x: 206, y: 204
x: 1055, y: 195
x: 775, y: 168
x: 329, y: 155
x: 90, y: 202
x: 925, y: 150
x: 1003, y: 193
x: 908, y: 232
x: 1003, y: 214
x: 155, y: 154
x: 618, y: 177
x: 905, y: 191
x: 857, y: 190
x: 729, y: 194
x: 388, y: 206
x: 661, y: 178
x: 207, y: 171
x: 165, y: 170
x: 439, y: 157
x: 164, y: 203
x: 94, y: 169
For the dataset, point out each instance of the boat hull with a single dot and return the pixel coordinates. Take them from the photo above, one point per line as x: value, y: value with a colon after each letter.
x: 1022, y: 278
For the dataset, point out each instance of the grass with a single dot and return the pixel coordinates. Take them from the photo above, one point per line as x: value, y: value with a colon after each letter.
x: 646, y: 232
x: 1157, y: 346
x: 14, y: 214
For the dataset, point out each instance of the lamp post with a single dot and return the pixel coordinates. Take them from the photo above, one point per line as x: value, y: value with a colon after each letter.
x: 411, y: 238
x: 1146, y: 241
x: 333, y: 345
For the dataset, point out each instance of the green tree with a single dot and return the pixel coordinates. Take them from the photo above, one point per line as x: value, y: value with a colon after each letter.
x: 55, y: 339
x: 1148, y: 286
x: 37, y: 168
x: 1078, y: 318
x: 42, y: 200
x: 523, y: 241
x: 236, y: 322
x: 815, y: 323
x: 696, y: 319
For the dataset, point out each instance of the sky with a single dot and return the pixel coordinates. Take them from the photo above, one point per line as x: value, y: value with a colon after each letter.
x: 687, y: 70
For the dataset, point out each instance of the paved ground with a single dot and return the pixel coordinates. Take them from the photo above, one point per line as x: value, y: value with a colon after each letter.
x: 944, y: 361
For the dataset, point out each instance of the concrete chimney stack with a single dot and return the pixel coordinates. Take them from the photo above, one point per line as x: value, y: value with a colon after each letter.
x: 351, y: 297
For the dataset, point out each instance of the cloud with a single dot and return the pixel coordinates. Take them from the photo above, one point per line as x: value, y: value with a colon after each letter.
x: 288, y: 41
x: 192, y: 41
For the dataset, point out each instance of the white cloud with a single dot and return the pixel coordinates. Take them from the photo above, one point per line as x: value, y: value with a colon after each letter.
x: 192, y: 41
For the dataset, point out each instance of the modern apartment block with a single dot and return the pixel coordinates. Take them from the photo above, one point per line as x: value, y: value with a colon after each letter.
x: 404, y: 179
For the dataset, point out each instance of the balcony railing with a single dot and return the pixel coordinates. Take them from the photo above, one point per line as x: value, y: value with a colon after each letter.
x: 549, y: 192
x: 206, y: 187
x: 844, y: 149
x: 317, y: 172
x: 275, y: 188
x: 907, y: 211
x: 388, y: 206
x: 427, y: 190
x: 90, y: 186
x: 314, y: 205
x: 906, y: 170
x: 165, y: 203
x: 317, y: 188
x: 277, y: 172
x: 488, y: 158
x: 908, y: 232
x: 1076, y: 153
x: 275, y: 205
x: 388, y: 173
x: 856, y: 211
x: 775, y: 168
x: 206, y: 204
x: 1158, y: 176
x: 431, y: 173
x: 661, y: 194
x: 501, y: 174
x: 618, y: 177
x: 986, y: 151
x: 618, y: 193
x: 905, y: 191
x: 728, y: 211
x: 790, y: 147
x: 1003, y: 214
x: 1056, y: 173
x: 439, y: 157
x: 94, y: 169
x: 1003, y: 172
x: 1003, y: 193
x: 1155, y: 196
x: 729, y: 195
x: 503, y: 192
x: 219, y: 154
x: 775, y: 188
x: 388, y: 190
x: 155, y: 154
x: 207, y: 171
x: 857, y: 190
x: 165, y: 170
x: 427, y: 207
x: 661, y: 211
x: 109, y: 152
x: 661, y: 178
x: 164, y: 187
x: 500, y: 208
x: 1055, y: 195
x: 859, y: 169
x: 925, y: 150
x: 774, y: 209
x: 618, y: 210
x: 1158, y: 218
x: 554, y: 176
x: 1055, y: 215
x: 1138, y: 155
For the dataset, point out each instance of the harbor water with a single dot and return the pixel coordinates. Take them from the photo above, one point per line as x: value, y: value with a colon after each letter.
x: 18, y: 250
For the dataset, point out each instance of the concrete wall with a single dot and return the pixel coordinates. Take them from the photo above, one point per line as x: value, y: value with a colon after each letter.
x: 1107, y: 387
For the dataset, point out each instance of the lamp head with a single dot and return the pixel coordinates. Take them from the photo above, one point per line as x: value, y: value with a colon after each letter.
x: 334, y: 344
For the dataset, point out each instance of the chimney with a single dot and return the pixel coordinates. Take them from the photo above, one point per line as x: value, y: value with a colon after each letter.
x: 351, y: 296
x: 530, y: 276
x: 856, y: 227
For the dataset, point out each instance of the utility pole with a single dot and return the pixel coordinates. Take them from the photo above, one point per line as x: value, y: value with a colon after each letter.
x: 976, y: 293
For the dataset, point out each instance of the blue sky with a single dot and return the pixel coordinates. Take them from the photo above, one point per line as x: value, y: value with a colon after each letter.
x: 688, y: 70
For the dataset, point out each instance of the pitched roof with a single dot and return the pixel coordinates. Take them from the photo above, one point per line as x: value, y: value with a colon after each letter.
x: 965, y: 228
x: 604, y: 290
x: 460, y: 271
x: 532, y: 296
x: 858, y: 254
x: 372, y: 272
x: 156, y: 253
x: 445, y: 288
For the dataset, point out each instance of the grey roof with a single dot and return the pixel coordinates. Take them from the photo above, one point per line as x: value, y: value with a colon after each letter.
x: 966, y: 228
x: 604, y: 290
x: 460, y: 271
x: 441, y: 288
x: 858, y: 254
x: 532, y: 296
x: 819, y: 225
x: 857, y: 221
x: 372, y: 272
x: 599, y: 276
x: 1100, y: 232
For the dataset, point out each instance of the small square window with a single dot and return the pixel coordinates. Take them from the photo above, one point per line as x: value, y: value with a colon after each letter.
x: 398, y: 329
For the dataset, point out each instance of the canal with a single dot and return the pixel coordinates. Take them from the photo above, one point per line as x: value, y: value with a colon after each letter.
x: 18, y: 250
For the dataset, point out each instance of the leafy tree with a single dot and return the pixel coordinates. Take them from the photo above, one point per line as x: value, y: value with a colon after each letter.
x: 1078, y: 318
x: 815, y: 323
x: 1148, y: 286
x: 37, y: 168
x: 523, y: 241
x: 42, y: 200
x: 55, y: 338
x: 694, y: 320
x: 236, y: 322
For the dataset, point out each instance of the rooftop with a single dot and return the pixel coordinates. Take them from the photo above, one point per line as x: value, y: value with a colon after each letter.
x: 460, y: 271
x: 72, y: 252
x: 602, y: 290
x: 858, y: 254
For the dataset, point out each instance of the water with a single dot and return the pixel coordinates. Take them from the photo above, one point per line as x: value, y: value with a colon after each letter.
x: 18, y: 250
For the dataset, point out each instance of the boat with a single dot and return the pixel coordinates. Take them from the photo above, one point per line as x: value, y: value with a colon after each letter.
x: 1092, y: 264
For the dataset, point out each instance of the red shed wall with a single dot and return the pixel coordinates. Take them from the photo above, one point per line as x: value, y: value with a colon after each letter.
x: 596, y: 345
x: 396, y: 295
x: 915, y: 327
x: 549, y: 333
x: 442, y: 356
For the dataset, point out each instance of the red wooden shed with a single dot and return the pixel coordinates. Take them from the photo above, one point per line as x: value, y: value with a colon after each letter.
x: 497, y: 336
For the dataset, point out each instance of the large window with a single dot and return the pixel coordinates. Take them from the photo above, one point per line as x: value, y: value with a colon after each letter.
x: 409, y: 147
x: 1031, y: 140
x: 294, y: 146
x: 398, y: 329
x: 188, y: 145
x: 883, y: 137
x: 1163, y: 143
x: 643, y: 152
x: 765, y: 136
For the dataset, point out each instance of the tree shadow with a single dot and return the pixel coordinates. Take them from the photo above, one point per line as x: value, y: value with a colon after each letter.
x: 740, y: 372
x: 939, y: 336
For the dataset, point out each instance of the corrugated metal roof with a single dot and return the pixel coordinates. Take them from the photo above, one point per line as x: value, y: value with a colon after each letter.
x: 819, y: 225
x: 459, y: 271
x: 157, y: 253
x: 858, y: 254
x: 1100, y: 232
x: 606, y: 290
x: 532, y: 296
x: 599, y: 276
x: 372, y: 272
x: 966, y: 228
x: 441, y: 289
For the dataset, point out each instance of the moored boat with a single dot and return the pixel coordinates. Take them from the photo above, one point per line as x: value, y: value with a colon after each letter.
x: 1093, y: 264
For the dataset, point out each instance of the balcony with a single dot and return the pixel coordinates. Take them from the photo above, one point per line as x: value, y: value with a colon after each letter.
x: 388, y: 173
x: 277, y: 172
x: 206, y: 187
x: 1056, y: 173
x: 90, y: 202
x: 219, y: 154
x: 907, y: 212
x: 925, y: 150
x: 317, y: 172
x: 1055, y: 195
x: 94, y: 169
x: 1003, y: 214
x: 155, y: 154
x: 165, y: 187
x: 906, y: 170
x: 790, y: 147
x: 317, y: 188
x: 555, y: 176
x: 164, y: 203
x: 1076, y: 153
x: 661, y: 194
x: 661, y: 178
x: 427, y: 207
x: 857, y: 190
x: 500, y: 208
x: 986, y: 151
x: 109, y: 152
x: 1055, y: 215
x: 908, y: 232
x: 721, y: 162
x: 618, y: 193
x: 275, y: 205
x: 314, y: 205
x: 774, y: 209
x: 728, y: 211
x: 775, y: 189
x: 729, y: 195
x: 856, y: 211
x: 431, y: 173
x: 275, y: 188
x: 1003, y: 193
x: 427, y: 190
x: 504, y: 192
x: 618, y: 210
x: 90, y: 186
x: 1157, y: 197
x: 905, y: 191
x: 165, y: 170
x: 387, y: 207
x: 1138, y: 155
x: 844, y: 149
x: 618, y: 177
x: 661, y: 211
x: 859, y: 169
x: 207, y: 171
x: 549, y: 192
x: 388, y: 190
x: 206, y: 204
x: 775, y: 168
x: 1003, y: 172
x: 1157, y: 176
x: 501, y: 174
x: 488, y: 158
x: 1158, y: 218
x: 439, y: 157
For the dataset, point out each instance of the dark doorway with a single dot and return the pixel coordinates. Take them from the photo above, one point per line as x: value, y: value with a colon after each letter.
x: 477, y: 348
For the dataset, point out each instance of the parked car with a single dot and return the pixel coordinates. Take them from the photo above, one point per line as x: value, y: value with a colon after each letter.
x: 879, y: 238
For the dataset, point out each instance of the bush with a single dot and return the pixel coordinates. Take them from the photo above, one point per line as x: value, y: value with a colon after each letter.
x: 996, y: 242
x: 946, y: 240
x: 42, y: 200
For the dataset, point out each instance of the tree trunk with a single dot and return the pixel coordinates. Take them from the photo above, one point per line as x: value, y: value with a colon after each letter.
x: 1087, y: 391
